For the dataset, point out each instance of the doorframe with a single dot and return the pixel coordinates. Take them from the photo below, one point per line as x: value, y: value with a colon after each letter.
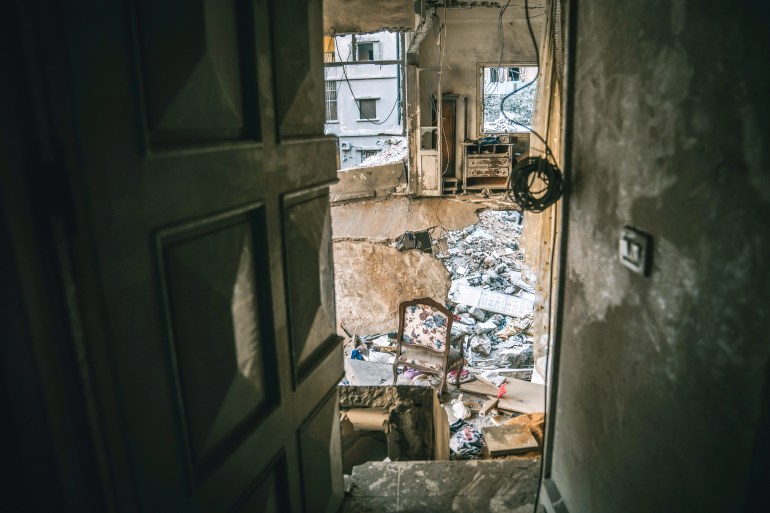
x: 549, y: 494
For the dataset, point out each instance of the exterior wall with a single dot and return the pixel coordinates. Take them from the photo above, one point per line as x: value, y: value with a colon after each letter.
x: 365, y: 81
x: 663, y: 381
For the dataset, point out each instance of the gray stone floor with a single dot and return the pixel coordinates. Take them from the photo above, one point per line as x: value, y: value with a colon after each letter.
x: 477, y: 486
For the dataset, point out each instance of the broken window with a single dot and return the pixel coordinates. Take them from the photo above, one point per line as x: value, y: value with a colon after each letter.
x: 367, y: 109
x: 514, y: 88
x: 368, y: 51
x: 365, y: 154
x: 331, y: 100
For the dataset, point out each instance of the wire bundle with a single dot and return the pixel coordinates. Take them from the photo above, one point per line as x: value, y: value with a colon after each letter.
x: 535, y: 184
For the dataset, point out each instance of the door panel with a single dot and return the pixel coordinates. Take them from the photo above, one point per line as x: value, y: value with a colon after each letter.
x: 309, y: 276
x: 207, y: 94
x: 299, y: 72
x: 206, y: 246
x: 319, y: 444
x: 221, y: 342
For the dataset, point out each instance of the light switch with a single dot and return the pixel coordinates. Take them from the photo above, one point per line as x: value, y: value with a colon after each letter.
x: 635, y: 250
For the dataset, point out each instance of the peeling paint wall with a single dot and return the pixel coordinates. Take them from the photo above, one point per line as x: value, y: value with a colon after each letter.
x: 471, y: 38
x: 661, y: 378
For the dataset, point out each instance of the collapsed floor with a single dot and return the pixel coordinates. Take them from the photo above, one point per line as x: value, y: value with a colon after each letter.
x: 476, y: 267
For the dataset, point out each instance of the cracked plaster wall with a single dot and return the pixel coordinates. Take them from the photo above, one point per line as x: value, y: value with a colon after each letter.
x: 662, y: 378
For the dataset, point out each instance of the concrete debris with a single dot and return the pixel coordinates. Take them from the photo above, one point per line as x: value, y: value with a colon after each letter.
x: 477, y: 313
x: 393, y: 150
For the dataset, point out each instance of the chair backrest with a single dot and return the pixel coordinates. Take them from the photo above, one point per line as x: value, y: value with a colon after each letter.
x: 425, y: 323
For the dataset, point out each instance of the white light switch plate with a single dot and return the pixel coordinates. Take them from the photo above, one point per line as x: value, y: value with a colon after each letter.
x: 635, y: 250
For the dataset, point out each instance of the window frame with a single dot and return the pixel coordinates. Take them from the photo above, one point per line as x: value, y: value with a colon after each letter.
x: 368, y: 152
x: 361, y: 110
x: 327, y: 101
x: 376, y: 50
x: 480, y: 66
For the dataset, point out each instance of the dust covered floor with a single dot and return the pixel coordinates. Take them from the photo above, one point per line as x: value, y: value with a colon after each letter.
x: 434, y: 486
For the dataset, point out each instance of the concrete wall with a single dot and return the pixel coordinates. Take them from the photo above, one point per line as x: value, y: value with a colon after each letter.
x: 471, y: 38
x: 346, y: 16
x: 368, y: 182
x: 661, y: 379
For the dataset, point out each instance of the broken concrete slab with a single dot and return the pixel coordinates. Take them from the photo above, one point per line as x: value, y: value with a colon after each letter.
x: 360, y: 373
x: 372, y: 279
x: 509, y: 439
x: 384, y: 220
x: 367, y: 182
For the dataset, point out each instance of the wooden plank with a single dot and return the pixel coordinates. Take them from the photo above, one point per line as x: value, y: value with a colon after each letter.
x: 523, y: 396
x: 504, y: 440
x: 477, y: 387
x: 487, y: 406
x: 520, y: 396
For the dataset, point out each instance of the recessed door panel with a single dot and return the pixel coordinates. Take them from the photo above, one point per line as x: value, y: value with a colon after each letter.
x: 197, y: 59
x: 309, y: 276
x: 221, y: 347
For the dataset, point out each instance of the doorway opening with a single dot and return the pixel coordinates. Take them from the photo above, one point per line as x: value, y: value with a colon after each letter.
x: 438, y: 221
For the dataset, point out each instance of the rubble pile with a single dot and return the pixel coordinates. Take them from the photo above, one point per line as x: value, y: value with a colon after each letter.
x: 487, y: 256
x: 492, y: 301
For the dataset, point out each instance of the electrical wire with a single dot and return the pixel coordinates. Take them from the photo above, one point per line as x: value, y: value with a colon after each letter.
x: 501, y: 32
x: 527, y: 172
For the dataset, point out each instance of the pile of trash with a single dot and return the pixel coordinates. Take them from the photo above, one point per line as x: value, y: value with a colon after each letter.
x: 487, y: 254
x: 465, y: 442
x: 485, y: 260
x: 485, y: 263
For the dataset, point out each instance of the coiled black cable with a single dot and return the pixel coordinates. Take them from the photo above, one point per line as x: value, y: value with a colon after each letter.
x: 535, y: 184
x: 533, y: 171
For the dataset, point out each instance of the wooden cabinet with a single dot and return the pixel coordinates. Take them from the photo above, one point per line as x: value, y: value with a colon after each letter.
x: 486, y: 167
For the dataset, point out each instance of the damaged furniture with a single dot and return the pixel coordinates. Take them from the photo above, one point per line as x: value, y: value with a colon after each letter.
x: 424, y: 329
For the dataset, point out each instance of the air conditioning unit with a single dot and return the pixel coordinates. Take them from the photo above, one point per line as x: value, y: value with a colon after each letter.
x: 345, y: 146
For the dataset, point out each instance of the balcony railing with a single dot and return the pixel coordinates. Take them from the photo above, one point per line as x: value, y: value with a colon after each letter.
x: 328, y: 56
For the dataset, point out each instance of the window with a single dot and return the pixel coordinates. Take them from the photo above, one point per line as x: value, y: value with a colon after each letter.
x: 368, y: 51
x: 504, y: 84
x: 367, y: 109
x: 331, y: 100
x: 365, y: 154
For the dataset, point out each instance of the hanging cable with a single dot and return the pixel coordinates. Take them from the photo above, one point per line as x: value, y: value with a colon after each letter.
x: 533, y: 171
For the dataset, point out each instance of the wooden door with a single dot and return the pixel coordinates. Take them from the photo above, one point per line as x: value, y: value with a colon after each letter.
x: 191, y: 133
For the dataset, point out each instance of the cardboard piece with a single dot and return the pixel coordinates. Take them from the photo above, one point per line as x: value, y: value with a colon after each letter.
x: 504, y: 440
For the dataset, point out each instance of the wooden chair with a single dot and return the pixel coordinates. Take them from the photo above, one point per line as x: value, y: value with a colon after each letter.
x: 424, y: 330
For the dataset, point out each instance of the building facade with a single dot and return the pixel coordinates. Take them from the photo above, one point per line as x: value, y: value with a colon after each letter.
x: 363, y: 91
